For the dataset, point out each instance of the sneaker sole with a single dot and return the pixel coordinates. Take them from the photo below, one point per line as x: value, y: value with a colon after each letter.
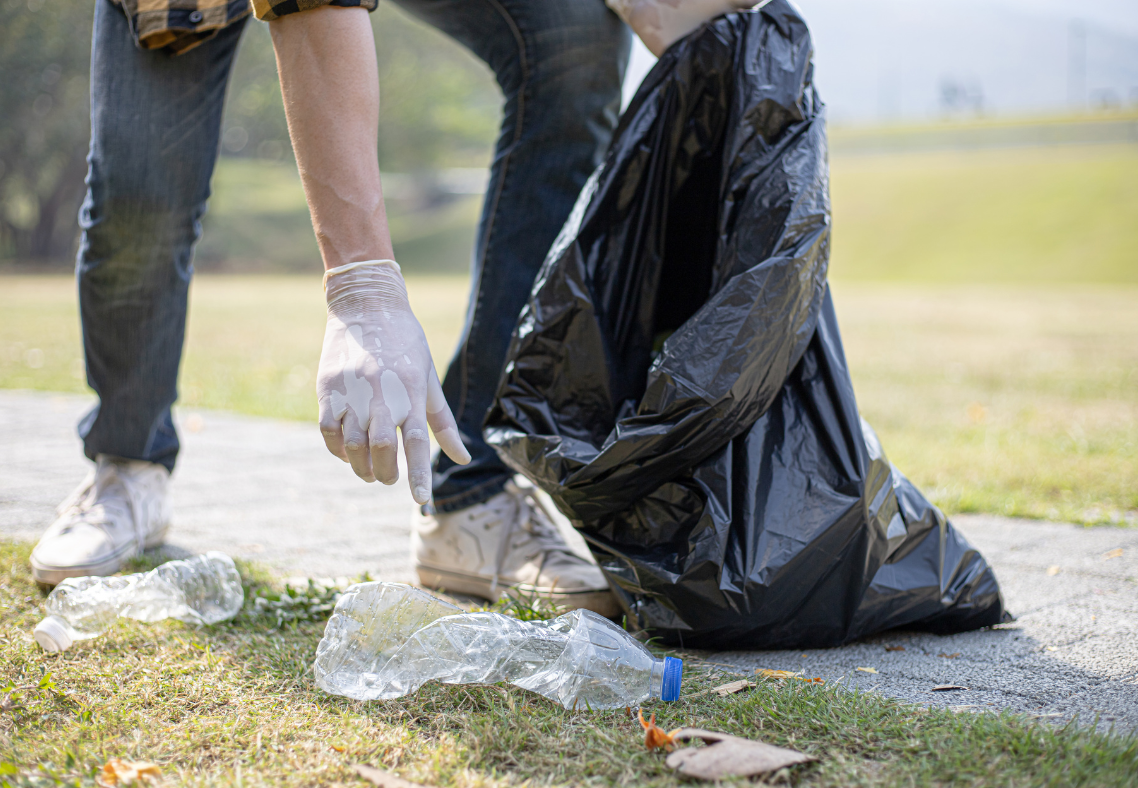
x: 601, y: 602
x: 50, y: 576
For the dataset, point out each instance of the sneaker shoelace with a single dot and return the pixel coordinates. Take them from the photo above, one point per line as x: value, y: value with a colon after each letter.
x: 88, y: 494
x: 528, y: 513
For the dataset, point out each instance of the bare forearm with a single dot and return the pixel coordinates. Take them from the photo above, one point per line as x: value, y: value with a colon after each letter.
x: 327, y: 64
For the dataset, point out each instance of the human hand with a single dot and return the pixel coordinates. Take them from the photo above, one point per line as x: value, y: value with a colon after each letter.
x: 376, y: 374
x: 660, y: 23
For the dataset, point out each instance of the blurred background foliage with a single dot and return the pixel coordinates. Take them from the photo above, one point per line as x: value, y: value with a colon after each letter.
x: 44, y: 53
x: 440, y: 110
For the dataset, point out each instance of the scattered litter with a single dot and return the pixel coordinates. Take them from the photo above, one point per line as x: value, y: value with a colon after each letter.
x: 953, y: 655
x: 585, y: 662
x: 1053, y: 570
x: 116, y: 772
x: 868, y: 670
x: 1052, y: 648
x: 783, y: 675
x: 384, y: 779
x: 729, y: 756
x: 947, y: 688
x: 1115, y: 553
x: 894, y: 648
x: 205, y: 589
x: 724, y: 690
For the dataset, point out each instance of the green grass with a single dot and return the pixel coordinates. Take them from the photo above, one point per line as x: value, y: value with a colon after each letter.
x: 1031, y: 215
x: 1020, y: 215
x: 1013, y: 400
x: 235, y: 705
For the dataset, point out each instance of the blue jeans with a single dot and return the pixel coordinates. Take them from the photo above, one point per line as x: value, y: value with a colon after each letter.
x: 155, y: 124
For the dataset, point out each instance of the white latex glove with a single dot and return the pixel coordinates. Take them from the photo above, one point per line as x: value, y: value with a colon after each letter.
x: 376, y: 374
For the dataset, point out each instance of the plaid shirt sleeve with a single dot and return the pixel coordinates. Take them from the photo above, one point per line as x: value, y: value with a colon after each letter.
x: 180, y: 25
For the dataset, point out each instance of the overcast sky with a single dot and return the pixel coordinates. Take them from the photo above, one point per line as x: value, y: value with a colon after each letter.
x: 892, y: 59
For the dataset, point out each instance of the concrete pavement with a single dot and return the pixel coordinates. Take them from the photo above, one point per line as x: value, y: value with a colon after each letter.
x: 268, y: 490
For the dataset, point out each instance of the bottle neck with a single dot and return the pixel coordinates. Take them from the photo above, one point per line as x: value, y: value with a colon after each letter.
x: 656, y: 683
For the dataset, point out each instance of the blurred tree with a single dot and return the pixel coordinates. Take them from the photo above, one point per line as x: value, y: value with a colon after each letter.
x: 439, y: 105
x: 439, y: 108
x: 44, y: 54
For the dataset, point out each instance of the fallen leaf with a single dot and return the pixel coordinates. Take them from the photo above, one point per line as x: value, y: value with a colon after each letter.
x: 336, y: 747
x: 732, y: 687
x: 894, y: 648
x: 868, y: 670
x: 785, y: 675
x: 953, y: 655
x: 1052, y: 648
x: 1115, y: 553
x: 723, y: 690
x: 1053, y: 570
x: 384, y: 779
x: 116, y: 771
x: 728, y: 756
x: 655, y: 737
x: 947, y: 688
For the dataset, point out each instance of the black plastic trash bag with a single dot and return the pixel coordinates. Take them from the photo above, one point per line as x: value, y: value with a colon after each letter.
x: 725, y: 482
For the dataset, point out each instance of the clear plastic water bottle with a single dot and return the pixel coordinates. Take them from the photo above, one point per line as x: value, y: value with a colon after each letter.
x: 385, y: 640
x: 204, y: 589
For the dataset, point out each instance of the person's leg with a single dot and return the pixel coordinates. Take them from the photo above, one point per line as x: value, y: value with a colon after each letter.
x: 155, y: 121
x: 560, y: 64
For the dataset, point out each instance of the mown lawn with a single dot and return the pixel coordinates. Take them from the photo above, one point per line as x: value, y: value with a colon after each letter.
x: 235, y: 705
x: 1015, y: 400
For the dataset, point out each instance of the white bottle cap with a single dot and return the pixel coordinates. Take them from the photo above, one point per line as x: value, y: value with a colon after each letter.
x: 53, y: 634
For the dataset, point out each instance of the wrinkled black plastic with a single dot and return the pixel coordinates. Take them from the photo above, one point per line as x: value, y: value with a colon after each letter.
x: 728, y: 488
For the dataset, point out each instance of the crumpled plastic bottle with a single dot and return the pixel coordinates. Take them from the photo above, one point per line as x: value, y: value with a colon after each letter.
x: 204, y: 589
x: 385, y: 640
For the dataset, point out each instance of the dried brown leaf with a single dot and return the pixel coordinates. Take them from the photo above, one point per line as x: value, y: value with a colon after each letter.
x: 383, y: 778
x: 953, y: 655
x: 731, y: 687
x: 723, y: 690
x: 1115, y: 553
x: 728, y: 756
x: 947, y: 688
x: 116, y: 772
x: 786, y: 675
x: 655, y: 737
x: 894, y: 648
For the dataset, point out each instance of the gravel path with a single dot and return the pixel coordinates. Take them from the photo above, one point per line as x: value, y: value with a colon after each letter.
x: 268, y: 490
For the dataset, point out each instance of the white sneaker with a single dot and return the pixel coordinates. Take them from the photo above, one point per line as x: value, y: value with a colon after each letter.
x: 509, y: 543
x: 118, y: 511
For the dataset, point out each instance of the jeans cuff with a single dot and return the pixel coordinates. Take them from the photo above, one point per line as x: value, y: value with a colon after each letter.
x: 479, y: 494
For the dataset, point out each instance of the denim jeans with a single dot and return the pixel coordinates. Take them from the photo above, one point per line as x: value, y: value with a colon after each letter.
x: 155, y: 124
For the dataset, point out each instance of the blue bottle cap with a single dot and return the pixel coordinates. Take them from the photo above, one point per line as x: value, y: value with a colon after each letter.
x: 673, y: 672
